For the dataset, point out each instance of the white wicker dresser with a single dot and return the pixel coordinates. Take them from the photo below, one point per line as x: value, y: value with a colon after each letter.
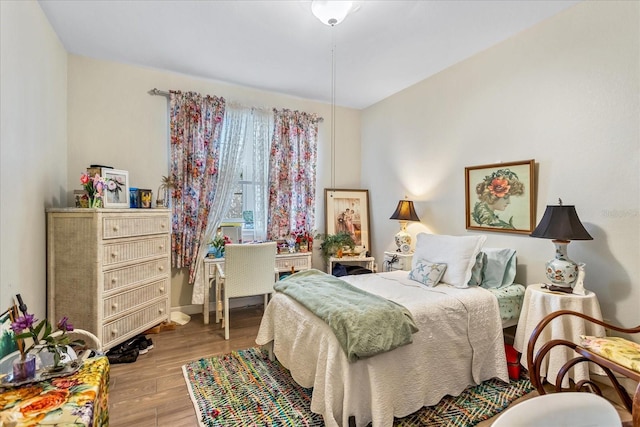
x: 109, y: 270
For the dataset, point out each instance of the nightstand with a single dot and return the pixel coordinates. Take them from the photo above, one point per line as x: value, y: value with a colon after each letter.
x: 397, y: 261
x: 366, y: 262
x: 539, y: 302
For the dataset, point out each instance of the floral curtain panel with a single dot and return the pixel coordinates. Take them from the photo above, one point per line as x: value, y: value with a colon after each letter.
x: 292, y: 173
x: 195, y: 146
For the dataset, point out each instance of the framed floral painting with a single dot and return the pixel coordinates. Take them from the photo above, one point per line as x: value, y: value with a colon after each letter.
x: 348, y: 210
x: 117, y: 191
x: 501, y: 197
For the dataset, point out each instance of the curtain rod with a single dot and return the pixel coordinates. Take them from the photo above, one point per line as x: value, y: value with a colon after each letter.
x: 159, y: 92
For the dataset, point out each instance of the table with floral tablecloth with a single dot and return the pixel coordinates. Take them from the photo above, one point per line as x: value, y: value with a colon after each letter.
x: 79, y: 399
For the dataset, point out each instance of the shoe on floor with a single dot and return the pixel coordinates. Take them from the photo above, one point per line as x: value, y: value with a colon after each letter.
x: 129, y: 356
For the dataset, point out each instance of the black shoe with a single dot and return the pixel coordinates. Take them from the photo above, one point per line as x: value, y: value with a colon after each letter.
x: 118, y: 349
x: 139, y: 342
x: 149, y: 344
x: 126, y: 357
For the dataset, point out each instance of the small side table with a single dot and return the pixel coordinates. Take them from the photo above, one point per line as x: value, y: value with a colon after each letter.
x: 539, y: 302
x: 366, y: 262
x: 397, y: 261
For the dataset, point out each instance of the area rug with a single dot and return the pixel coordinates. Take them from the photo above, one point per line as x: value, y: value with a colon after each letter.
x: 245, y: 388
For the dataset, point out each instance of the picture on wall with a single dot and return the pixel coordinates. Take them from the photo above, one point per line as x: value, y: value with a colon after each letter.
x: 348, y: 211
x: 117, y: 191
x: 500, y: 197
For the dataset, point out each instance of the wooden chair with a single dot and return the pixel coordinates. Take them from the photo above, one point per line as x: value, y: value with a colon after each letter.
x: 610, y: 367
x: 248, y: 270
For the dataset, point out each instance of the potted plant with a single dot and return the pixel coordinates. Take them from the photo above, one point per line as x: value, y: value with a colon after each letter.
x: 334, y: 244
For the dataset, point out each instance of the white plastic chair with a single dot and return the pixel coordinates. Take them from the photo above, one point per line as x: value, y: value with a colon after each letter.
x: 570, y: 409
x: 248, y: 270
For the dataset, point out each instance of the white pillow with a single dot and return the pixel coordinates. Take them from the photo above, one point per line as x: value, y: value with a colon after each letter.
x: 458, y: 252
x: 427, y: 273
x: 499, y: 267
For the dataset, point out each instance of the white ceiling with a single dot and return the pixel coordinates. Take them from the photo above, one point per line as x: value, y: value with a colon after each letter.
x: 280, y: 46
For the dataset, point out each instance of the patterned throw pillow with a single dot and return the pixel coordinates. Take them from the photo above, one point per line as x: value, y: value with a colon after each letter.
x: 427, y: 273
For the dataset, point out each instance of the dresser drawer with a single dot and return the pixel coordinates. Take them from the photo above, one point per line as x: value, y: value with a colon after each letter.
x: 299, y: 263
x: 211, y: 266
x: 137, y: 321
x: 127, y: 300
x: 114, y: 253
x: 114, y: 227
x: 144, y: 271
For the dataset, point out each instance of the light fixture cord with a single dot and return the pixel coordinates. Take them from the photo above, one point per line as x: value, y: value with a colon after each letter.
x: 333, y: 106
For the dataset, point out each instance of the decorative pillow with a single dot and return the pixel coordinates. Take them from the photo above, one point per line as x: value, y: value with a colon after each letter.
x: 457, y: 252
x: 499, y: 268
x: 619, y: 350
x: 427, y: 273
x: 476, y: 271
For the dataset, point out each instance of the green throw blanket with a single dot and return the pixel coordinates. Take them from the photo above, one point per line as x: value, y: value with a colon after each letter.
x: 365, y: 324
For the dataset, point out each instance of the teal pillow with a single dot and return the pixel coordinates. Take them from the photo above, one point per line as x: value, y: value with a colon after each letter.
x: 476, y: 270
x: 427, y: 273
x: 499, y: 268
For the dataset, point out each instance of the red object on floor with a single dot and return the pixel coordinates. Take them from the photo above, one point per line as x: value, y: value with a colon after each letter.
x: 513, y: 362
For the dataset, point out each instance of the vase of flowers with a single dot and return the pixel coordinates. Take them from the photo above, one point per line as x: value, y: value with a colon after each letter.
x: 24, y: 368
x: 94, y: 186
x: 216, y: 246
x: 32, y: 338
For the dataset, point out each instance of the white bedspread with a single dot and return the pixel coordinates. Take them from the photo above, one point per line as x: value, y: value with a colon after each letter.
x: 460, y: 343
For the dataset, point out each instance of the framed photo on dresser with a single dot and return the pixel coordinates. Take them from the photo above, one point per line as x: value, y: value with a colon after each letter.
x: 117, y: 191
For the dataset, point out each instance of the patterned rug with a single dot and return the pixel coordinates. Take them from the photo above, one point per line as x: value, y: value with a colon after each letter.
x: 245, y: 388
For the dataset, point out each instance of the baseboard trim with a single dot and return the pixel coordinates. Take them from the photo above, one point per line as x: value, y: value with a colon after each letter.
x: 233, y: 303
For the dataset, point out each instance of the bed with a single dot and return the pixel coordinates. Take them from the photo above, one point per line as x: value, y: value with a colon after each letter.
x: 459, y: 342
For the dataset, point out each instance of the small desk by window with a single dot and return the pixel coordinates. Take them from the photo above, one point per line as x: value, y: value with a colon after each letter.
x: 285, y: 263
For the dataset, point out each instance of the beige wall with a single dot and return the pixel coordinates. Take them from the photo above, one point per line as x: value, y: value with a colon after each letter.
x: 565, y: 93
x: 33, y: 150
x: 114, y: 121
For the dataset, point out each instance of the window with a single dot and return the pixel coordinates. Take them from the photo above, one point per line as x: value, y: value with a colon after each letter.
x: 248, y: 207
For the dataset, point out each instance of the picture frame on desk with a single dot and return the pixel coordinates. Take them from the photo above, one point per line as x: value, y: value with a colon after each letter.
x: 356, y: 222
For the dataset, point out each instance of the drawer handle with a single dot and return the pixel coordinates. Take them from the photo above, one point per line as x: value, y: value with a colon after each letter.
x: 161, y: 247
x: 114, y: 305
x: 114, y: 332
x: 114, y: 254
x: 161, y: 267
x: 161, y: 310
x: 115, y: 228
x: 162, y: 225
x: 161, y: 289
x: 114, y: 280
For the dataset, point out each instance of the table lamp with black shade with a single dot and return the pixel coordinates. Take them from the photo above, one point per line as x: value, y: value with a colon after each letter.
x: 561, y: 223
x: 404, y: 212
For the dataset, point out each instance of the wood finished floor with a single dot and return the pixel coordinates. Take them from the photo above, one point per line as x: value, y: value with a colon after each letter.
x: 151, y: 392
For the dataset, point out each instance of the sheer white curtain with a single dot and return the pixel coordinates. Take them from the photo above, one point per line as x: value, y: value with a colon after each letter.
x: 233, y: 135
x: 262, y: 125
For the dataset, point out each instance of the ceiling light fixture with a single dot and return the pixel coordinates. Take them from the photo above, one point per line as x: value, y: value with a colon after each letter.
x: 332, y: 13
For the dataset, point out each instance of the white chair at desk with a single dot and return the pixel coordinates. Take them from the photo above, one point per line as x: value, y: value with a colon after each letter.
x: 248, y: 270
